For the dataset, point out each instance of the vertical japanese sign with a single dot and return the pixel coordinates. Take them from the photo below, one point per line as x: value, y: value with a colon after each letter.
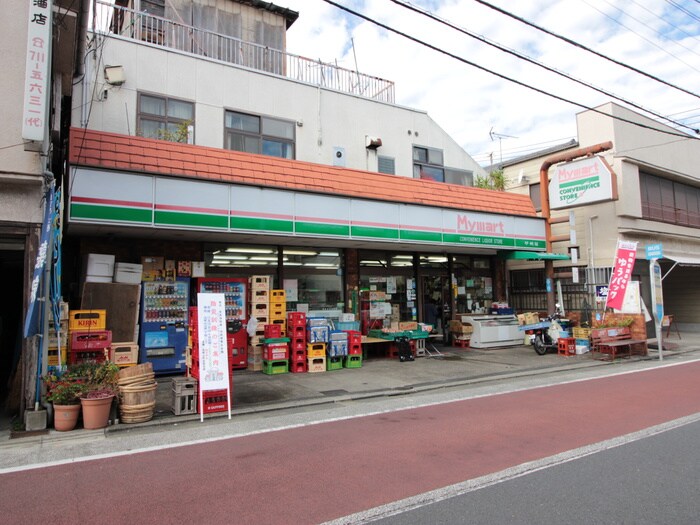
x: 625, y: 256
x: 36, y: 76
x: 214, y: 371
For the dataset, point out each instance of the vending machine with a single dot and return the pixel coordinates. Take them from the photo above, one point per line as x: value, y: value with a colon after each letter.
x: 164, y: 319
x: 235, y: 292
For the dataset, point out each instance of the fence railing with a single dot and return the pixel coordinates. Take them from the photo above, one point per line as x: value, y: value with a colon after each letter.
x: 159, y: 31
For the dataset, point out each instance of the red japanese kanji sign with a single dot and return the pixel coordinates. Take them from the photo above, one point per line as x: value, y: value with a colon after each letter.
x: 624, y: 262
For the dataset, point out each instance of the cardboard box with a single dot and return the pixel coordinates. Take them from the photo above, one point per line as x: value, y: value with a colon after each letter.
x: 532, y: 318
x: 127, y: 273
x: 408, y: 325
x: 151, y: 264
x: 100, y: 265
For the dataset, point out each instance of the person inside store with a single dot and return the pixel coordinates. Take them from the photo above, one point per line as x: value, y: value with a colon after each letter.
x: 431, y: 312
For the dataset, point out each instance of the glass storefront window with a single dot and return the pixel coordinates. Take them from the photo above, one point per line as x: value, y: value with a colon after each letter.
x: 474, y: 284
x: 387, y: 289
x: 312, y: 280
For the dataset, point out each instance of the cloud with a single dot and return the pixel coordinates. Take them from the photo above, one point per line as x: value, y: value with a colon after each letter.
x: 468, y: 102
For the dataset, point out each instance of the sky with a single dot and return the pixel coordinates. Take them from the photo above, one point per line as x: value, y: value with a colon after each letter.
x: 492, y: 118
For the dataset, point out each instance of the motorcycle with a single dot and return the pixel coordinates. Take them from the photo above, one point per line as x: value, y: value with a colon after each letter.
x: 540, y: 338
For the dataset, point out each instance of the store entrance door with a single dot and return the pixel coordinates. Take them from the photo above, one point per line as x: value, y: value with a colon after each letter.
x: 436, y: 303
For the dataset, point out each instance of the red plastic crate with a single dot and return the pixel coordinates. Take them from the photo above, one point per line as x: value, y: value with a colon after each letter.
x: 298, y: 355
x: 566, y: 346
x: 213, y: 401
x: 83, y: 356
x: 297, y: 318
x: 275, y: 351
x: 297, y: 367
x: 354, y: 337
x: 298, y: 344
x: 92, y: 340
x: 296, y: 331
x: 355, y: 349
x: 273, y: 331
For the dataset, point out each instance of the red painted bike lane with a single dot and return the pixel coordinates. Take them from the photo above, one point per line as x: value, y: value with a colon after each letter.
x: 324, y: 471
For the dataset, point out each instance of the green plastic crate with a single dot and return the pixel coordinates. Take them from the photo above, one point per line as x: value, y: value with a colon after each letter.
x: 279, y: 366
x: 352, y: 361
x: 334, y: 363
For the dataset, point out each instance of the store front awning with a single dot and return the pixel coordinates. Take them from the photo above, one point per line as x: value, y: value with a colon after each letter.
x: 519, y: 255
x: 683, y: 260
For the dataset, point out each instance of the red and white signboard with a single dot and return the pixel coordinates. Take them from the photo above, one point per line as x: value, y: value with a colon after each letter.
x: 625, y: 256
x: 213, y: 351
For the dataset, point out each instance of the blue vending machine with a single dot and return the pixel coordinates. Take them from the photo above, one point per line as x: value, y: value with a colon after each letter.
x: 164, y: 324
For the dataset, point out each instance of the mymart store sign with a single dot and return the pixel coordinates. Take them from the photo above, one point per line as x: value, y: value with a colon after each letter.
x: 581, y: 182
x: 104, y: 197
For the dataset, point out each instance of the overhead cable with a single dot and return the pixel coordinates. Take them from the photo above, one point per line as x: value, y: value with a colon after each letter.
x: 531, y: 60
x: 581, y: 46
x: 504, y: 77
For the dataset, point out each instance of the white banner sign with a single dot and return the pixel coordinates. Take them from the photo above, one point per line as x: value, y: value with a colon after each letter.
x: 580, y: 182
x: 36, y: 75
x: 214, y: 371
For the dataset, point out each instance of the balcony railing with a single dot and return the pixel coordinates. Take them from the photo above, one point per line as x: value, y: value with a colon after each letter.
x: 159, y: 31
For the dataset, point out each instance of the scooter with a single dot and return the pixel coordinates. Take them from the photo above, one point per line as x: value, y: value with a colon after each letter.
x: 541, y: 339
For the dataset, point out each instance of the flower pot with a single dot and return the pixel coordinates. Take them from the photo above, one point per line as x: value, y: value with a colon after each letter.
x: 65, y: 417
x: 96, y: 412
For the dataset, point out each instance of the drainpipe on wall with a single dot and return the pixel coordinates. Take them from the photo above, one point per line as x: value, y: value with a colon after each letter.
x: 544, y: 198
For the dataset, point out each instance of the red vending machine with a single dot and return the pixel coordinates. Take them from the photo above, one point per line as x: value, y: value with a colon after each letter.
x: 235, y: 291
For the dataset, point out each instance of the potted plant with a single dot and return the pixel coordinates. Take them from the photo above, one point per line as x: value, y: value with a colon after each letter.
x: 101, y: 381
x: 65, y: 394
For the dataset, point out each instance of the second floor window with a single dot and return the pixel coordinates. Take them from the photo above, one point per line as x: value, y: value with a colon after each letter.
x: 256, y: 134
x: 165, y: 118
x: 668, y: 201
x: 428, y: 164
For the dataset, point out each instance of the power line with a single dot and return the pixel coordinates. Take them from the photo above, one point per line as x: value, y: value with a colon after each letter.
x: 640, y: 36
x: 504, y: 77
x: 676, y: 28
x: 581, y: 46
x: 681, y: 8
x: 531, y: 60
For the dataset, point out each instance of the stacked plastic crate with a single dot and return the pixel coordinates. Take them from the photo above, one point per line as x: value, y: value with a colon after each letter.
x: 278, y: 310
x: 275, y: 350
x: 212, y: 400
x: 259, y: 286
x: 89, y: 339
x: 354, y: 357
x: 296, y: 333
x: 317, y: 339
x: 58, y: 348
x: 337, y: 349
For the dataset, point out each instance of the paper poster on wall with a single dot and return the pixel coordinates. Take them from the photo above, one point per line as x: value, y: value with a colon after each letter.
x: 291, y: 290
x: 631, y: 303
x: 376, y: 310
x: 391, y: 285
x: 213, y: 350
x: 303, y: 307
x: 488, y: 285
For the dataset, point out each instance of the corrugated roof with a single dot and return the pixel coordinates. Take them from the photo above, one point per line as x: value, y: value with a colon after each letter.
x: 100, y: 149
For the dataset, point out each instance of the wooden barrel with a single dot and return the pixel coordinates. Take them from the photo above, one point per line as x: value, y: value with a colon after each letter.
x: 138, y: 394
x: 137, y: 402
x: 137, y: 413
x: 137, y: 374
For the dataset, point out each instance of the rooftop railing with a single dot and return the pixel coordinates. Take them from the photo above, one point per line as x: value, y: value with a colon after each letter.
x: 144, y: 27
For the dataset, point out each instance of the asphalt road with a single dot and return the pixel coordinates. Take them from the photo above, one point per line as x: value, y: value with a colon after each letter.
x: 325, y: 471
x: 648, y: 481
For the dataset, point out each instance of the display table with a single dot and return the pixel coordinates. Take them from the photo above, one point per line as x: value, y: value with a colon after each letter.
x: 374, y: 341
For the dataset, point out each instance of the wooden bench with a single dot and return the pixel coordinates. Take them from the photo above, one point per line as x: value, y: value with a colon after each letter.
x: 614, y: 342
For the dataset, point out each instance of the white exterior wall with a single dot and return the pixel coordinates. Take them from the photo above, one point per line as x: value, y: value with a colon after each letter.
x: 328, y: 119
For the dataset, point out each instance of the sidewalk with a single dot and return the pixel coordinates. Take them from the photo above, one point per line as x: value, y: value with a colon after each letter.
x: 259, y: 393
x: 255, y: 392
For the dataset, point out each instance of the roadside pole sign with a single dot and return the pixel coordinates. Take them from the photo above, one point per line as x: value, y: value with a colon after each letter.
x: 654, y: 251
x: 213, y: 351
x: 657, y: 300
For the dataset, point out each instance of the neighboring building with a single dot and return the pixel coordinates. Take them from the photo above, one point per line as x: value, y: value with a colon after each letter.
x: 658, y: 188
x: 36, y: 86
